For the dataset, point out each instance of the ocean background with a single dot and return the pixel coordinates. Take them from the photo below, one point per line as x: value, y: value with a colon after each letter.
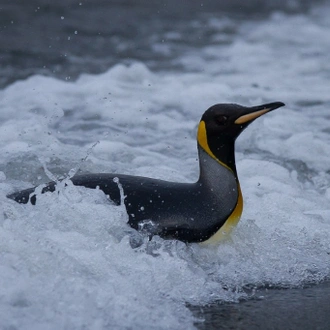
x: 120, y: 86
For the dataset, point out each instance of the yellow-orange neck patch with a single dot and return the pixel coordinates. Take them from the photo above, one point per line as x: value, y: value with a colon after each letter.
x: 235, y: 216
x: 202, y: 140
x: 230, y: 223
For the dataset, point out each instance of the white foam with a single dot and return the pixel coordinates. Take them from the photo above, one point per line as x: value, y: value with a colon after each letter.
x: 68, y: 262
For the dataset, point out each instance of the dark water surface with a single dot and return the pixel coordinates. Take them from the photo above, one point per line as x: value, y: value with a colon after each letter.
x: 304, y: 309
x: 67, y: 38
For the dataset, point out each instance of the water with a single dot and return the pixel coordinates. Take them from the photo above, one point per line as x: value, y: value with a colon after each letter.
x: 95, y: 88
x: 273, y: 309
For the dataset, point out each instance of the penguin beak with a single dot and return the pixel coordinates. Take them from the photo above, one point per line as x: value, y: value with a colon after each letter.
x: 255, y: 112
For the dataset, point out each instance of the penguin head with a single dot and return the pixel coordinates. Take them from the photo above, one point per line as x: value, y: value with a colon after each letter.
x: 229, y: 120
x: 221, y: 124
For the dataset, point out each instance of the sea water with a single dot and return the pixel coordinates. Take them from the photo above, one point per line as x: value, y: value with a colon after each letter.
x: 72, y: 262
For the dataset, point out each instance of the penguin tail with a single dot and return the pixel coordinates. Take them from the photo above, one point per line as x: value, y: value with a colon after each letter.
x: 29, y: 195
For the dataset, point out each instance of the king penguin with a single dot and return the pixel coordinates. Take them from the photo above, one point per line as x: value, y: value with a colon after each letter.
x: 203, y: 211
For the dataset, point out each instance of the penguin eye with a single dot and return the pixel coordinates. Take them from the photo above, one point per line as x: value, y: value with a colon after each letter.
x: 221, y: 120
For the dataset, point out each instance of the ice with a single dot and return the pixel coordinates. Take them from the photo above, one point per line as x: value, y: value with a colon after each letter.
x: 72, y: 262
